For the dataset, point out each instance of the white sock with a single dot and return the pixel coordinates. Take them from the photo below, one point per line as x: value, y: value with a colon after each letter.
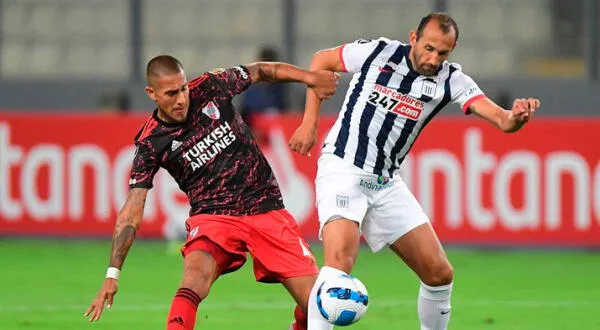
x: 315, y: 319
x: 434, y: 306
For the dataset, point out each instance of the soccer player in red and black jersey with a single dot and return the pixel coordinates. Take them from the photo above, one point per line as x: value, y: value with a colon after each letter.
x: 236, y: 206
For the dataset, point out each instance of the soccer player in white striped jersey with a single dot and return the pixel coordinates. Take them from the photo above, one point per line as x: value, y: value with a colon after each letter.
x: 396, y: 90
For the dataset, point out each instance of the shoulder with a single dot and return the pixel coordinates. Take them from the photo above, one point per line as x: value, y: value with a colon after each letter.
x: 219, y: 73
x: 455, y: 66
x: 222, y: 77
x: 458, y: 80
x: 371, y: 48
x: 452, y: 71
x: 148, y: 129
x: 200, y: 80
x: 372, y: 43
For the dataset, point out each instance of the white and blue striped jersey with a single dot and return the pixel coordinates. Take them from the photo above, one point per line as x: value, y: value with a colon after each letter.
x: 388, y: 104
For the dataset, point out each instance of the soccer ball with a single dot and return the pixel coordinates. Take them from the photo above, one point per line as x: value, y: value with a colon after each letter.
x: 342, y: 300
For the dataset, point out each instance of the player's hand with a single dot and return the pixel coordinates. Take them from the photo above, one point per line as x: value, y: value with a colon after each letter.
x: 324, y: 83
x: 523, y: 109
x: 109, y: 289
x: 304, y: 139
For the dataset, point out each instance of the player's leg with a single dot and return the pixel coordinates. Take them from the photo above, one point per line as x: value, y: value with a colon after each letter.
x: 200, y: 272
x: 212, y: 249
x: 422, y: 252
x: 299, y: 288
x: 342, y: 206
x: 397, y: 219
x: 281, y: 255
x: 343, y: 239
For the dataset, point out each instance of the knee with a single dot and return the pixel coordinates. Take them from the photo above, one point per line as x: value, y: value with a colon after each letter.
x: 341, y: 239
x: 198, y: 280
x: 438, y: 274
x: 342, y: 259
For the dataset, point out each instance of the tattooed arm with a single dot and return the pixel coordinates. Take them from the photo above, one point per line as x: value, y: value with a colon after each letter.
x: 128, y: 222
x: 322, y: 82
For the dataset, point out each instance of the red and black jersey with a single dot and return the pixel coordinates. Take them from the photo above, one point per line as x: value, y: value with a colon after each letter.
x: 212, y: 155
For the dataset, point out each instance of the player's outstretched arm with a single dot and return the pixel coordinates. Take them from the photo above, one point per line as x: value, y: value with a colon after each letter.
x: 323, y: 82
x: 128, y: 222
x: 506, y: 120
x: 305, y: 136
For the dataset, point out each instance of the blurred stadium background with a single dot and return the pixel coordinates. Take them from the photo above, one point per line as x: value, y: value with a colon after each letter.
x: 520, y: 213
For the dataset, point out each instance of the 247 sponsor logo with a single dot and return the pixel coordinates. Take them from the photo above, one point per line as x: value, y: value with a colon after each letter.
x: 398, y: 103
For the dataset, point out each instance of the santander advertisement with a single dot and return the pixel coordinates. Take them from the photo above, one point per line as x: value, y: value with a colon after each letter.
x: 66, y: 175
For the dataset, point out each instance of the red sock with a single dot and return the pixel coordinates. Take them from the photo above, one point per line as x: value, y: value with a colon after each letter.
x: 301, y: 319
x: 183, y: 310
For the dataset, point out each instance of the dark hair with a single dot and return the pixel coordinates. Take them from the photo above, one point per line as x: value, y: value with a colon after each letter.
x: 444, y: 20
x: 163, y: 65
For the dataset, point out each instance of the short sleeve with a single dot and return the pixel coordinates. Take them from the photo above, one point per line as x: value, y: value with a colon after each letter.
x: 465, y: 91
x: 355, y: 54
x: 145, y: 166
x: 232, y: 81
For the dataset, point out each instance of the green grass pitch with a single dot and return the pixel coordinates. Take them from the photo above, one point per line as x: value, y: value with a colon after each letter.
x: 48, y: 284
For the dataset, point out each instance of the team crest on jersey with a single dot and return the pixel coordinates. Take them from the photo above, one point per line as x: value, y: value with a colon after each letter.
x: 211, y: 110
x: 429, y: 87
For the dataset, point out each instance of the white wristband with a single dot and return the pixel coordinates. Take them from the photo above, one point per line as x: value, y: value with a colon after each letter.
x: 113, y: 272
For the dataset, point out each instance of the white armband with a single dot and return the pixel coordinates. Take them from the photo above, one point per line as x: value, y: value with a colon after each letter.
x: 113, y: 272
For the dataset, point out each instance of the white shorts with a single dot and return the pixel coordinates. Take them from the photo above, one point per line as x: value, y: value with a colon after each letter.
x: 384, y: 208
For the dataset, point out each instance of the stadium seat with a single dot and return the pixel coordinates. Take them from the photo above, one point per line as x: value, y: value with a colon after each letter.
x: 81, y: 59
x: 312, y: 21
x: 14, y: 18
x: 43, y: 60
x: 80, y: 20
x: 13, y: 58
x: 44, y: 21
x: 113, y: 20
x: 113, y: 61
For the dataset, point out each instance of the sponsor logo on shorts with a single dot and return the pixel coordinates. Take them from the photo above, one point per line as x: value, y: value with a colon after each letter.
x: 343, y: 201
x: 381, y: 183
x: 382, y: 179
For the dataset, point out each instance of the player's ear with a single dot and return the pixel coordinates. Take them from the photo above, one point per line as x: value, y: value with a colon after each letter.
x: 150, y: 92
x: 412, y: 37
